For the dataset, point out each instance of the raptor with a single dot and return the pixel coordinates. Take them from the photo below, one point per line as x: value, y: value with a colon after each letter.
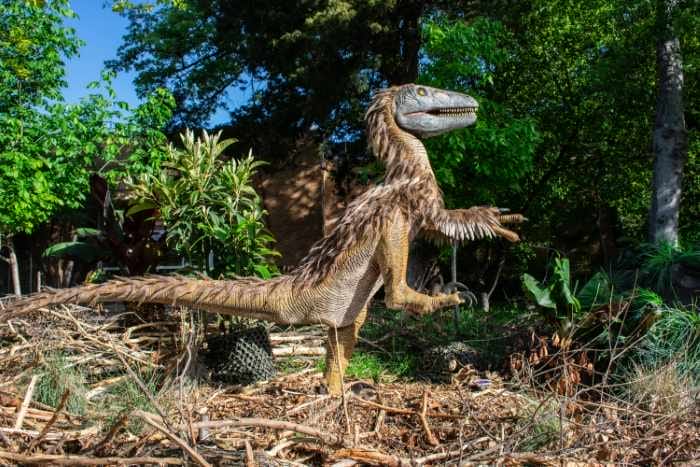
x: 367, y: 247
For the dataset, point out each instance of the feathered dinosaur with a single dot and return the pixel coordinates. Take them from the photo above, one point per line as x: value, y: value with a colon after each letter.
x: 367, y: 247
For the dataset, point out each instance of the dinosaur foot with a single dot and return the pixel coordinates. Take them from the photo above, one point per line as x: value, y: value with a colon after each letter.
x: 463, y: 292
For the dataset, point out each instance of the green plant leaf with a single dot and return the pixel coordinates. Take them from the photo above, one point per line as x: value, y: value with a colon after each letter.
x: 541, y: 295
x: 81, y: 250
x: 144, y: 205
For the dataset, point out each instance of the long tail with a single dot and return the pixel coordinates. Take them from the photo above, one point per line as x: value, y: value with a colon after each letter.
x: 249, y: 297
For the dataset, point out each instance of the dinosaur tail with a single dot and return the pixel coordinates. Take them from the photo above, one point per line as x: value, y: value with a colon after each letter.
x: 249, y: 297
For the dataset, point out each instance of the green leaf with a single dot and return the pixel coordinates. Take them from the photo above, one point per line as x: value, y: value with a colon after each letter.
x: 596, y: 292
x: 143, y: 205
x: 88, y: 232
x: 541, y: 295
x: 81, y: 250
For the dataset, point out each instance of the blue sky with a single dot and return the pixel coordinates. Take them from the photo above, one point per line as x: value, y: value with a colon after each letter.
x: 102, y: 31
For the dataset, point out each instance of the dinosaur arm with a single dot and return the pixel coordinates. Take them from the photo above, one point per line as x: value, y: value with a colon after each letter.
x: 471, y: 224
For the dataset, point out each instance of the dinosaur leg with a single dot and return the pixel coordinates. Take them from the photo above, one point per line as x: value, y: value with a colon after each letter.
x: 392, y: 256
x: 341, y: 342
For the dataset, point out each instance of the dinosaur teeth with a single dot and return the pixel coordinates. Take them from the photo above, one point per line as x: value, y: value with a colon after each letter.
x: 455, y: 112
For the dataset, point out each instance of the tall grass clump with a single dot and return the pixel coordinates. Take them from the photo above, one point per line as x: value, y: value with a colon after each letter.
x: 57, y: 375
x: 673, y: 338
x: 659, y: 265
x: 662, y: 372
x: 127, y: 395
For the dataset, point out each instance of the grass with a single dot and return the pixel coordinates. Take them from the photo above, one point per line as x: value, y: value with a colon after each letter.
x: 398, y: 356
x: 125, y: 396
x: 662, y: 372
x: 286, y: 365
x: 673, y: 339
x: 540, y: 423
x: 660, y: 389
x: 57, y: 376
x: 377, y: 367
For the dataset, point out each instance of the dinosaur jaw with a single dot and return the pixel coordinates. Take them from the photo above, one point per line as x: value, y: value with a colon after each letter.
x: 425, y: 111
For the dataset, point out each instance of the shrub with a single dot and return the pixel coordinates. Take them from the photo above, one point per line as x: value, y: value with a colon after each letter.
x: 211, y: 212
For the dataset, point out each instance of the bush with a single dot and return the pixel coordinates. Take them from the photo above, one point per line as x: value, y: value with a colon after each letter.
x: 211, y: 212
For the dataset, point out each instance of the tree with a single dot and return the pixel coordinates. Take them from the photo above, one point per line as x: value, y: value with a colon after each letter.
x: 309, y: 66
x: 670, y: 138
x: 33, y: 43
x: 48, y: 148
x: 582, y: 75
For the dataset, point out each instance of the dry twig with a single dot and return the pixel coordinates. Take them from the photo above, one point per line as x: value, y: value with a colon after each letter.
x: 85, y: 460
x: 25, y: 403
x: 146, y: 417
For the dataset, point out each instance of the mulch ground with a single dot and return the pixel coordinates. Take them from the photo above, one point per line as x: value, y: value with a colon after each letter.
x: 288, y: 421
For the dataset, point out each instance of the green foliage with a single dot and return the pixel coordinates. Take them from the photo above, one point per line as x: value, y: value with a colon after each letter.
x: 499, y: 150
x: 127, y: 395
x: 48, y: 148
x: 673, y: 339
x: 83, y: 250
x: 379, y: 367
x: 125, y: 238
x: 541, y: 421
x: 659, y: 262
x: 304, y: 66
x: 557, y: 296
x: 661, y: 372
x: 625, y: 312
x: 209, y: 205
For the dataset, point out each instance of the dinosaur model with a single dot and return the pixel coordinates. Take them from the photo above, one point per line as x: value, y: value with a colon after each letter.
x: 367, y: 248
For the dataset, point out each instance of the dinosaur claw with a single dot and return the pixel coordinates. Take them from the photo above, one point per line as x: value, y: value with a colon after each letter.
x: 463, y: 292
x: 468, y: 297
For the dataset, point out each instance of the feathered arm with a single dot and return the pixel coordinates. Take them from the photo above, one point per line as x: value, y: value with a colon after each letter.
x: 470, y: 224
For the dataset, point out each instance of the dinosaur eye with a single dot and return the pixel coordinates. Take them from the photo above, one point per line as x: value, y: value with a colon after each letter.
x: 421, y: 92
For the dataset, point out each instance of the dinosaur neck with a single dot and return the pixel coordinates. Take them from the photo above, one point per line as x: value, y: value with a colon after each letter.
x: 404, y: 156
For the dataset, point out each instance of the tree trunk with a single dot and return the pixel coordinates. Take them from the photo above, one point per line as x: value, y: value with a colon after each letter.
x: 670, y: 139
x: 11, y: 260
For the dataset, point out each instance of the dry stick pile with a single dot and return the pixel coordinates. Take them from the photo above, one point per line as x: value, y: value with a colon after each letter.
x: 286, y: 421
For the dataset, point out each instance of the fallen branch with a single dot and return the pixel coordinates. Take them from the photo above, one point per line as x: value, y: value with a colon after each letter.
x: 35, y: 442
x: 298, y: 350
x: 110, y: 434
x: 249, y: 456
x: 25, y: 403
x: 432, y: 440
x: 369, y: 456
x: 146, y: 417
x: 58, y: 459
x: 325, y: 437
x: 400, y: 410
x: 74, y: 434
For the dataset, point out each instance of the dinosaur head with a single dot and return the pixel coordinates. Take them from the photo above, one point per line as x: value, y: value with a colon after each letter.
x: 424, y: 111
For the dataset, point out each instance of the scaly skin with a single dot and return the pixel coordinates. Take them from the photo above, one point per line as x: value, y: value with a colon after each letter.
x: 367, y: 248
